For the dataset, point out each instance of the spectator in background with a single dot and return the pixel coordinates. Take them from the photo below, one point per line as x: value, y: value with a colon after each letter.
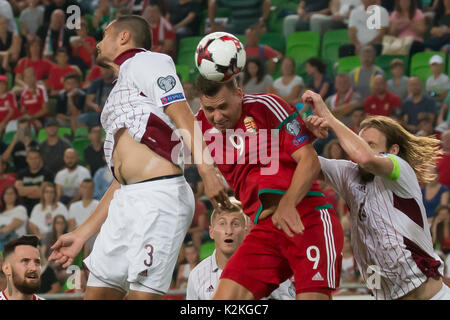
x: 183, y: 16
x: 194, y: 179
x: 163, y: 35
x: 268, y: 56
x: 10, y: 47
x: 191, y: 96
x: 33, y: 60
x: 425, y: 127
x: 360, y: 33
x: 33, y: 100
x: 102, y: 180
x: 407, y: 20
x: 8, y: 104
x: 382, y: 102
x: 49, y: 281
x: 30, y: 180
x: 417, y: 105
x: 440, y: 30
x: 319, y: 81
x: 437, y: 85
x: 69, y: 179
x: 191, y: 253
x: 289, y: 85
x: 345, y: 100
x: 243, y: 14
x: 398, y: 85
x: 305, y: 10
x: 255, y: 80
x: 6, y: 179
x: 31, y: 18
x: 54, y: 5
x: 13, y: 216
x: 363, y: 77
x: 433, y: 195
x: 22, y: 140
x: 440, y: 227
x: 83, y: 45
x: 338, y: 19
x: 357, y: 116
x: 333, y: 150
x: 81, y: 210
x: 198, y: 229
x: 43, y: 213
x: 54, y: 35
x: 52, y: 149
x: 103, y: 15
x: 93, y: 154
x: 96, y: 96
x: 58, y: 71
x: 7, y: 12
x: 443, y: 164
x: 70, y: 102
x: 444, y: 115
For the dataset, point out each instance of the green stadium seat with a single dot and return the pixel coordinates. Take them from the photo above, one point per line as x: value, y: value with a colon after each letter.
x: 347, y: 64
x: 81, y: 132
x: 65, y: 132
x: 276, y: 16
x: 42, y: 135
x: 207, y: 249
x: 183, y: 70
x: 331, y: 42
x: 241, y: 38
x: 303, y: 45
x: 383, y: 62
x: 80, y: 145
x: 420, y: 65
x: 273, y: 40
x: 8, y: 136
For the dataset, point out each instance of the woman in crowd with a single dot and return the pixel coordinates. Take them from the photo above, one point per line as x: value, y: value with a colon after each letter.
x: 255, y: 79
x: 434, y: 194
x: 13, y: 216
x: 289, y: 85
x: 192, y: 259
x: 319, y: 81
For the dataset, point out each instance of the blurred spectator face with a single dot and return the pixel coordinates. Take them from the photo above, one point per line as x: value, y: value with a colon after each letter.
x: 29, y: 77
x: 191, y: 255
x: 70, y: 84
x: 87, y: 190
x: 357, y: 117
x: 379, y: 85
x: 57, y: 19
x: 397, y: 71
x: 3, y: 87
x: 9, y: 196
x: 436, y: 68
x: 189, y: 90
x: 367, y: 57
x: 342, y: 84
x: 60, y: 224
x: 35, y: 48
x: 336, y: 152
x: 34, y: 160
x: 252, y: 69
x: 414, y: 86
x: 52, y: 131
x: 347, y: 245
x: 104, y: 4
x: 70, y: 158
x: 60, y: 3
x: 228, y: 231
x: 62, y: 58
x: 82, y: 31
x: 95, y: 134
x: 287, y: 67
x: 404, y: 5
x: 32, y: 3
x: 3, y: 23
x: 426, y: 126
x: 152, y: 14
x: 251, y: 37
x: 49, y: 194
x: 368, y: 3
x: 445, y: 138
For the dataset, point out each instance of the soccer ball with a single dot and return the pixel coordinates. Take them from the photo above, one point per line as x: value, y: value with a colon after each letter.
x: 220, y: 56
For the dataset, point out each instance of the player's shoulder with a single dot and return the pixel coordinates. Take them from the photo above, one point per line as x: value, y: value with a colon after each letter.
x: 155, y: 59
x: 270, y: 105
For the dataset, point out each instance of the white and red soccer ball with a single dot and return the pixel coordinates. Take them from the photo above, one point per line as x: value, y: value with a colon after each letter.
x: 220, y: 56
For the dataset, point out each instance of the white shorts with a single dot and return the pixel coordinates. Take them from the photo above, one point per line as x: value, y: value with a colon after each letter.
x: 443, y: 294
x: 140, y: 240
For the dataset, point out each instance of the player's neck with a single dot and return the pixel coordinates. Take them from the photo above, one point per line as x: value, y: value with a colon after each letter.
x: 11, y: 293
x: 221, y: 259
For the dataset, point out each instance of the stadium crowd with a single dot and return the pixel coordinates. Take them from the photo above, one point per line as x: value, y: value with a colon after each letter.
x: 52, y: 166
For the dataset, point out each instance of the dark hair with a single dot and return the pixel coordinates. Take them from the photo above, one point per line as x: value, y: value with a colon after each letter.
x: 62, y: 50
x: 2, y: 202
x: 74, y: 76
x: 317, y: 63
x: 211, y: 88
x: 34, y: 149
x: 88, y: 180
x: 138, y: 27
x: 358, y: 109
x: 53, y: 235
x: 260, y: 73
x: 36, y: 40
x: 90, y: 128
x: 412, y: 8
x: 26, y: 240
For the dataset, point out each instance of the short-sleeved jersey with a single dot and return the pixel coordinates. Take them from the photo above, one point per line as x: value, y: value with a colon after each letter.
x: 3, y: 296
x: 146, y: 84
x: 256, y: 156
x: 8, y: 101
x: 32, y: 100
x: 390, y: 235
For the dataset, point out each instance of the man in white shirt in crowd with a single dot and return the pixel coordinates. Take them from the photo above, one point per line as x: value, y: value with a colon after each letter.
x: 81, y: 210
x: 69, y: 179
x: 228, y: 229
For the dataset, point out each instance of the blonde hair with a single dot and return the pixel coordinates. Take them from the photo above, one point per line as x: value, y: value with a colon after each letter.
x: 420, y: 152
x: 236, y: 207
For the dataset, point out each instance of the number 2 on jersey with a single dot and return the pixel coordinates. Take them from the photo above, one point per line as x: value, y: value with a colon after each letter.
x: 314, y: 258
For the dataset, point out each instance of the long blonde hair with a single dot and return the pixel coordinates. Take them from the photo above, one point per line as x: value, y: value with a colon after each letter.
x: 420, y: 152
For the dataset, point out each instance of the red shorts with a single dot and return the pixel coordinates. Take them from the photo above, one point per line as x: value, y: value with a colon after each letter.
x: 268, y: 256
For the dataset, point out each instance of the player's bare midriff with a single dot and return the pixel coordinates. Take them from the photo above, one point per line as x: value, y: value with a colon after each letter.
x: 270, y: 203
x: 425, y: 291
x: 135, y: 162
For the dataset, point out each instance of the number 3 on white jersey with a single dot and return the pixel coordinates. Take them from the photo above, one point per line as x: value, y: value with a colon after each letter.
x: 240, y: 143
x: 314, y: 258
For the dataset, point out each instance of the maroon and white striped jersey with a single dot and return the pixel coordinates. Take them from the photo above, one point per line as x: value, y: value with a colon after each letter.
x: 3, y: 296
x: 390, y: 234
x: 147, y: 82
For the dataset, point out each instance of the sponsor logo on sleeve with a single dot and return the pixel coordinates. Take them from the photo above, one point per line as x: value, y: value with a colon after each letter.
x: 172, y: 98
x: 166, y: 83
x: 299, y: 140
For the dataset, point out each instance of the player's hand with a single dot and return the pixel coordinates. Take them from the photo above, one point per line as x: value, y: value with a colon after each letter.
x: 66, y: 248
x: 319, y: 107
x: 286, y: 217
x: 216, y: 191
x: 318, y: 126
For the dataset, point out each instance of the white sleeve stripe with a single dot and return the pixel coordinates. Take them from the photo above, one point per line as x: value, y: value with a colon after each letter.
x: 267, y: 105
x: 277, y: 106
x: 275, y: 102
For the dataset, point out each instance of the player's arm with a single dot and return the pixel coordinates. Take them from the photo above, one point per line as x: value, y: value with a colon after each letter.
x: 356, y: 148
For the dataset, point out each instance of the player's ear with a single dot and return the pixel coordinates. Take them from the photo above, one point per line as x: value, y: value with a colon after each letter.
x: 211, y: 233
x: 394, y: 149
x: 6, y: 268
x: 124, y: 36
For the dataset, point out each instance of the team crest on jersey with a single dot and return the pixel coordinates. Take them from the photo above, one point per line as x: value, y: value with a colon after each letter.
x: 293, y: 127
x: 250, y: 124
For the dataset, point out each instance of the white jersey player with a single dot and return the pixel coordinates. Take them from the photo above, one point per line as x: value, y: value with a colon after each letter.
x: 146, y: 212
x: 390, y: 235
x: 228, y: 228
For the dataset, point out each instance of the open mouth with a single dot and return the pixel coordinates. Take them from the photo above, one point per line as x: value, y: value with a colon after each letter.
x: 228, y: 240
x: 32, y: 277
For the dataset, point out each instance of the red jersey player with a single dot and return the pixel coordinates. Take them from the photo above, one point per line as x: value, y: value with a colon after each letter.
x: 264, y: 151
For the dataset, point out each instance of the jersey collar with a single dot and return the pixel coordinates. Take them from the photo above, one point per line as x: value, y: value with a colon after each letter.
x: 214, y: 266
x: 121, y: 58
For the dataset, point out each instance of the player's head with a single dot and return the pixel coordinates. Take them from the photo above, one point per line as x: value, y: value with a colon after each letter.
x: 221, y: 102
x: 123, y: 33
x: 228, y: 228
x: 384, y: 134
x: 22, y: 264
